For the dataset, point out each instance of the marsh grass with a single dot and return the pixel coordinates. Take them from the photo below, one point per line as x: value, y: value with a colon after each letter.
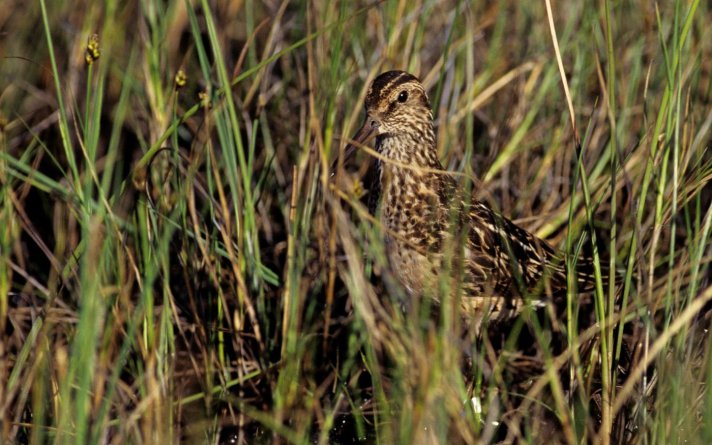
x: 179, y: 265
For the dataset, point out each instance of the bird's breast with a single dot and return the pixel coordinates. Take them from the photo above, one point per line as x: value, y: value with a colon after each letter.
x: 410, y: 209
x: 412, y: 218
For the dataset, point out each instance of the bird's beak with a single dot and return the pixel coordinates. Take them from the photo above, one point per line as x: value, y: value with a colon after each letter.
x: 364, y: 134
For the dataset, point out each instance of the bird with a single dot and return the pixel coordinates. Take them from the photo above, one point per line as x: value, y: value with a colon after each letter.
x: 433, y: 227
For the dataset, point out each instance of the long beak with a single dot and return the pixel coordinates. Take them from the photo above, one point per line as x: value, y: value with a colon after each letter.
x: 367, y: 130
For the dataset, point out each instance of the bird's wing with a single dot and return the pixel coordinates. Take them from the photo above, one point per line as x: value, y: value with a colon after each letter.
x: 514, y: 262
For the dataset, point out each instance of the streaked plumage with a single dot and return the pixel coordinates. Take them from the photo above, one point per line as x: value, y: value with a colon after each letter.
x: 428, y: 221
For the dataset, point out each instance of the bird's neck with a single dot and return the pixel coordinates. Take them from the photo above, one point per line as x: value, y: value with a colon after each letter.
x: 415, y: 190
x: 413, y: 149
x: 408, y: 159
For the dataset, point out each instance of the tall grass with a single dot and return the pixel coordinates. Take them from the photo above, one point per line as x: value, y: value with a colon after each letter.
x: 178, y: 264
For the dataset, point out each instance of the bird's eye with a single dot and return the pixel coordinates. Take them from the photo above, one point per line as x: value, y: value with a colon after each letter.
x: 403, y: 96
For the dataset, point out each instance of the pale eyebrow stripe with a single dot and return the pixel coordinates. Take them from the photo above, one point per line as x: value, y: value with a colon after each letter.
x: 387, y: 87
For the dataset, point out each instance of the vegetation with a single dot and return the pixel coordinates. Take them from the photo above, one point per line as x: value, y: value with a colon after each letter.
x: 178, y: 264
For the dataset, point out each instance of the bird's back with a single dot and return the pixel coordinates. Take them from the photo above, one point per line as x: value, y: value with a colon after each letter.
x: 517, y: 264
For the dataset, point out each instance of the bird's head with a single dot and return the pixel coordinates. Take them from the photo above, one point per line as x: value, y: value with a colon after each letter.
x: 396, y: 106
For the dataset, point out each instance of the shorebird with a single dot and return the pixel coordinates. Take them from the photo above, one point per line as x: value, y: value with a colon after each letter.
x: 431, y: 228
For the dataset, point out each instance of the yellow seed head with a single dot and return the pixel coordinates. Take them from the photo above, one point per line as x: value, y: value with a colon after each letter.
x: 92, y: 52
x: 358, y: 190
x: 181, y: 79
x: 204, y: 97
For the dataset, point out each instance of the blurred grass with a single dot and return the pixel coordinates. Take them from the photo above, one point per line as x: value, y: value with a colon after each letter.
x: 177, y: 264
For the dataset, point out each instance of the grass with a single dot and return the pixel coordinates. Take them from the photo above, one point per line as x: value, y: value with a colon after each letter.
x: 177, y: 263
